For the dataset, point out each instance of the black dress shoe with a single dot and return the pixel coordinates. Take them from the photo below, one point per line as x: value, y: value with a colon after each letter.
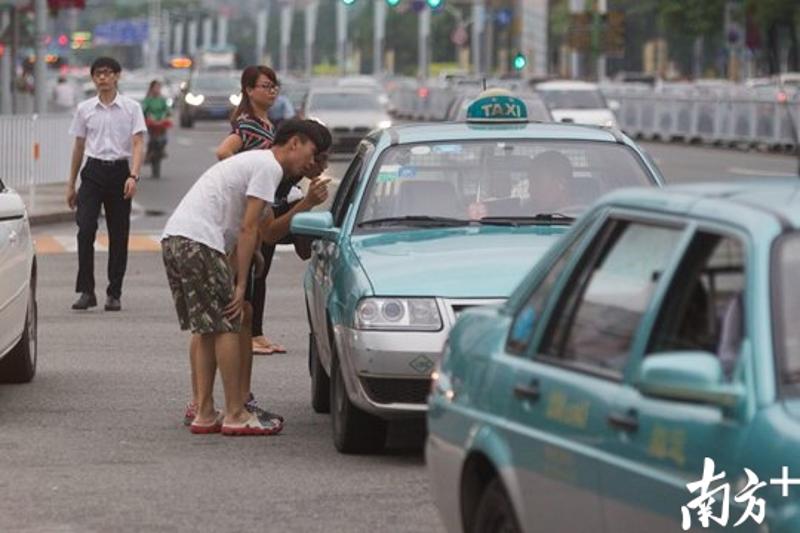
x: 113, y: 304
x: 85, y: 301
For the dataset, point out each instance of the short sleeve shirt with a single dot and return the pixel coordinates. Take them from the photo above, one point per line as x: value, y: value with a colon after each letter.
x: 212, y: 211
x: 255, y: 133
x: 108, y: 129
x: 155, y: 108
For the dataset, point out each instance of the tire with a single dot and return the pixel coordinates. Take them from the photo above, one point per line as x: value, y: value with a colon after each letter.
x: 155, y: 164
x: 320, y: 382
x: 19, y: 365
x: 354, y: 431
x: 495, y: 513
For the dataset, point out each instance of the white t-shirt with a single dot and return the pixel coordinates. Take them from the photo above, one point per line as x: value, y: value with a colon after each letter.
x: 212, y: 211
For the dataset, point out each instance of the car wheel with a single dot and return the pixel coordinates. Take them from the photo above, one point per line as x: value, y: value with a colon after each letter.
x: 495, y: 513
x: 19, y: 365
x: 320, y: 382
x: 354, y: 431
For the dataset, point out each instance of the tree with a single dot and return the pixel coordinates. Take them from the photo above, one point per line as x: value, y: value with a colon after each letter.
x: 773, y: 16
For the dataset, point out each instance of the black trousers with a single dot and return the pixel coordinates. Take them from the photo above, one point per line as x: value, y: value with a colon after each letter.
x: 103, y: 184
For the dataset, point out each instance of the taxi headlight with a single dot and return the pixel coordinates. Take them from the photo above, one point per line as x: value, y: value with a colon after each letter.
x: 195, y: 99
x: 235, y: 99
x: 383, y: 124
x: 421, y: 314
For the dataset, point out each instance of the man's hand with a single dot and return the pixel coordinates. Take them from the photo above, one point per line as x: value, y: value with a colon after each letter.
x: 319, y: 165
x: 130, y: 188
x: 317, y: 191
x: 234, y: 308
x: 72, y: 196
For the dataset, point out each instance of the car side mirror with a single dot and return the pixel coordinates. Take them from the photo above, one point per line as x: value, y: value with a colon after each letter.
x: 318, y: 224
x: 693, y: 376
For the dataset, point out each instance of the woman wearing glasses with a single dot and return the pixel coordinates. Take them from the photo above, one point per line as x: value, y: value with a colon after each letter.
x: 251, y: 129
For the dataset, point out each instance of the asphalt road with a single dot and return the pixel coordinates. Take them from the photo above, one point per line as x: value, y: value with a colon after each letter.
x: 95, y: 442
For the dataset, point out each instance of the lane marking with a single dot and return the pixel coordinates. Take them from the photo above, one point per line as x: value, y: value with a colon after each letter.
x: 761, y: 173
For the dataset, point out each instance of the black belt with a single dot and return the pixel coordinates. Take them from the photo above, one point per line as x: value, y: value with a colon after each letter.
x: 107, y: 162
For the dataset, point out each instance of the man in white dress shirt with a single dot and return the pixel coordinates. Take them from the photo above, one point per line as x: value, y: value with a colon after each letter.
x: 109, y: 129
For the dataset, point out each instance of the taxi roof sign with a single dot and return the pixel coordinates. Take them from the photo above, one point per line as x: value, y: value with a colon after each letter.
x: 495, y: 106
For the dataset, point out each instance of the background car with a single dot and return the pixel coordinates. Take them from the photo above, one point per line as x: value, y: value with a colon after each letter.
x: 349, y: 113
x: 578, y: 102
x: 18, y: 313
x: 209, y: 96
x: 429, y: 220
x: 659, y: 333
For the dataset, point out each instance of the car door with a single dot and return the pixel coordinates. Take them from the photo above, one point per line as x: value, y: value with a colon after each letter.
x: 664, y: 447
x: 324, y: 253
x: 563, y: 386
x: 13, y: 267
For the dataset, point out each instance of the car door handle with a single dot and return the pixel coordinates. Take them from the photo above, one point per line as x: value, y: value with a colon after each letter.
x: 529, y: 391
x: 628, y: 421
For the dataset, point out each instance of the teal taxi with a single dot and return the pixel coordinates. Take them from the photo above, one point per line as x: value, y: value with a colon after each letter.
x: 644, y: 376
x: 429, y: 220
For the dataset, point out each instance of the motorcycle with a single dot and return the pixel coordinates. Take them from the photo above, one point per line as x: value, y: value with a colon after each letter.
x: 156, y: 144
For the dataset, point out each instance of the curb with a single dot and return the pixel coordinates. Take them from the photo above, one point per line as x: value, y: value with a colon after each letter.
x: 59, y: 217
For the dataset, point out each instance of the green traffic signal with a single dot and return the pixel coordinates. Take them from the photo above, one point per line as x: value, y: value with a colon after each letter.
x: 520, y: 61
x: 348, y: 2
x: 435, y: 4
x: 392, y: 3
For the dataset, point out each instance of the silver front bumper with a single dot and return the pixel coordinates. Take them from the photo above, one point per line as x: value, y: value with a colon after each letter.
x: 387, y: 373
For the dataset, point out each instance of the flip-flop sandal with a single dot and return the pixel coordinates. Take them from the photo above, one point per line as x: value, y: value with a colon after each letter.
x: 214, y: 427
x: 253, y: 426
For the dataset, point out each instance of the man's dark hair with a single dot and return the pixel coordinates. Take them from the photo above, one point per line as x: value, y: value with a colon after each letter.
x: 307, y: 130
x: 105, y: 62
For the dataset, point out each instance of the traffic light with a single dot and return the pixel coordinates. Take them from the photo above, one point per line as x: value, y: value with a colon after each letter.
x: 435, y: 4
x: 520, y: 61
x: 348, y: 2
x: 393, y: 3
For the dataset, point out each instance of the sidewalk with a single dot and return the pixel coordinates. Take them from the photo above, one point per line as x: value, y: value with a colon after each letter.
x: 47, y: 204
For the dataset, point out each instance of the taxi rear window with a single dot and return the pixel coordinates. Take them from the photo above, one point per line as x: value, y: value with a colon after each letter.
x: 511, y: 179
x: 788, y: 306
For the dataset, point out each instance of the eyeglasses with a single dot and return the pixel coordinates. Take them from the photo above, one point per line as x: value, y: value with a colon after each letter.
x: 269, y: 88
x: 99, y: 73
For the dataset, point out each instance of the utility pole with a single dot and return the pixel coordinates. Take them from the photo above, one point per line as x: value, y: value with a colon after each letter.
x: 478, y: 23
x: 191, y: 31
x: 575, y: 6
x: 602, y: 9
x: 341, y: 37
x: 208, y: 30
x: 5, y: 66
x: 311, y: 31
x: 39, y: 73
x: 153, y: 34
x: 222, y: 30
x: 177, y: 41
x: 423, y: 55
x: 287, y: 18
x: 262, y: 25
x: 379, y: 37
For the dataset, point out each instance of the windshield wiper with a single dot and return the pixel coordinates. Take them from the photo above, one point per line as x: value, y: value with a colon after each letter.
x: 416, y: 220
x: 541, y: 218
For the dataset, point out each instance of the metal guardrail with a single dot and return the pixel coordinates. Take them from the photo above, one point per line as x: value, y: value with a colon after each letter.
x: 34, y: 149
x: 725, y: 115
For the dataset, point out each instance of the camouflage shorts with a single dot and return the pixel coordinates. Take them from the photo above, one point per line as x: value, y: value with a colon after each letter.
x: 201, y: 281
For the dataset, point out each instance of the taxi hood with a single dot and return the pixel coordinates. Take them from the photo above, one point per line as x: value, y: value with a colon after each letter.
x: 483, y: 262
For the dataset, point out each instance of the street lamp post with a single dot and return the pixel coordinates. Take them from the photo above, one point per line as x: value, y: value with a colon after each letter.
x: 40, y: 84
x: 311, y: 31
x: 341, y: 37
x: 379, y: 37
x: 423, y: 56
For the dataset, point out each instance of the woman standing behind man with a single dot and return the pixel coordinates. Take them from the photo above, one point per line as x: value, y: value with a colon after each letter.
x: 252, y: 130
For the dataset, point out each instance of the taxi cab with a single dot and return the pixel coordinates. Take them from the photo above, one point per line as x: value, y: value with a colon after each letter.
x: 654, y: 346
x: 429, y: 220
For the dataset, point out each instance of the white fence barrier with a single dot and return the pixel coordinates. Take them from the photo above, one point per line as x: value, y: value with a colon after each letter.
x: 678, y: 112
x: 34, y: 149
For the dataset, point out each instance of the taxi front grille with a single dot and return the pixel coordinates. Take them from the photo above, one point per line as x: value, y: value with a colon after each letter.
x: 391, y: 390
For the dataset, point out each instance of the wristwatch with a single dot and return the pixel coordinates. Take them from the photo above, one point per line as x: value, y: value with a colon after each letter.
x: 135, y: 177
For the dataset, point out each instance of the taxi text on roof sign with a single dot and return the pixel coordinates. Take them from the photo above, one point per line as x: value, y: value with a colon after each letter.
x: 497, y: 106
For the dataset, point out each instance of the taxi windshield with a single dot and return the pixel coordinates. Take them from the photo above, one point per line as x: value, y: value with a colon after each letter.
x: 788, y: 307
x: 511, y: 182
